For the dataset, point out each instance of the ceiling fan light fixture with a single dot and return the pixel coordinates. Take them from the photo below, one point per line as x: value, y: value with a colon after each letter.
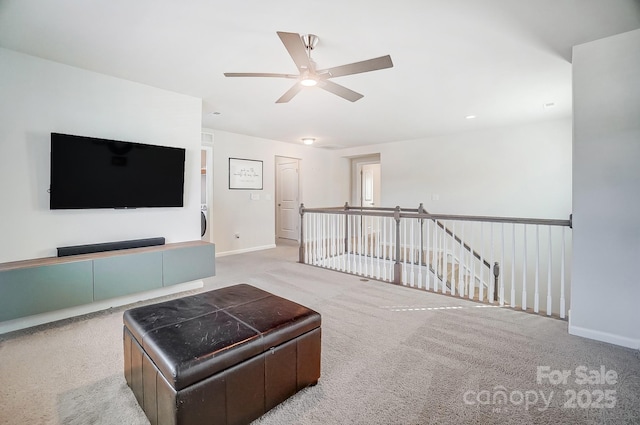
x: 308, y: 140
x: 308, y: 82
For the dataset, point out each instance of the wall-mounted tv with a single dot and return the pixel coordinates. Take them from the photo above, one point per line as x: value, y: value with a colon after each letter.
x: 87, y: 172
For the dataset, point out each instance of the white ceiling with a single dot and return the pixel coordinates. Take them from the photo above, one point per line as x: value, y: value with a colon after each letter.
x: 500, y: 60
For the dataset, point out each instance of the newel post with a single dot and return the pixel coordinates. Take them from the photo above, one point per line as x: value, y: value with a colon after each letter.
x: 496, y: 273
x: 302, y: 244
x: 397, y: 267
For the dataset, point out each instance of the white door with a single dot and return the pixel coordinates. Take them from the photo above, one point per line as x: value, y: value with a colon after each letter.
x: 369, y: 185
x: 287, y: 198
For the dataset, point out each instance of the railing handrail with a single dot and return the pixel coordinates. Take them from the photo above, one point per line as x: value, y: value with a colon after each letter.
x: 379, y: 212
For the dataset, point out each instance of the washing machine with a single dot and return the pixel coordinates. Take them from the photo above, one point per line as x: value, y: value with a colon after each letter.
x: 203, y: 219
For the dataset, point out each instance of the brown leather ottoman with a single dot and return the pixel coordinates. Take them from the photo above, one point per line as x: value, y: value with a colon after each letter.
x: 221, y: 357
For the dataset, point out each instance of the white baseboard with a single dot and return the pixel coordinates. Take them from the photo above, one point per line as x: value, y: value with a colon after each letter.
x: 242, y: 251
x: 607, y: 337
x: 52, y: 316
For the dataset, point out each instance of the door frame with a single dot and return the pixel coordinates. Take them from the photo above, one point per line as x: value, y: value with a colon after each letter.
x: 356, y: 162
x: 207, y: 146
x: 276, y: 223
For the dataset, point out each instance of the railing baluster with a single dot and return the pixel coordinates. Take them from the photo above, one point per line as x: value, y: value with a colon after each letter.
x: 343, y: 244
x: 482, y: 269
x: 562, y: 260
x: 403, y: 250
x: 360, y: 245
x: 365, y: 243
x: 317, y: 258
x: 412, y: 254
x: 336, y: 241
x: 392, y: 250
x: 435, y: 256
x: 427, y: 260
x: 492, y: 288
x: 354, y: 243
x: 365, y: 247
x: 443, y: 249
x: 330, y: 257
x: 314, y: 241
x: 536, y: 295
x: 311, y: 237
x: 512, y: 301
x: 524, y: 269
x: 347, y: 244
x: 452, y: 282
x: 371, y: 246
x: 320, y: 259
x: 461, y: 264
x: 502, y: 265
x: 549, y: 304
x: 384, y: 248
x: 472, y: 280
x: 378, y: 234
x: 323, y: 233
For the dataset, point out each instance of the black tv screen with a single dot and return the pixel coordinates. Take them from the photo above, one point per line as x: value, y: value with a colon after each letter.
x: 87, y: 172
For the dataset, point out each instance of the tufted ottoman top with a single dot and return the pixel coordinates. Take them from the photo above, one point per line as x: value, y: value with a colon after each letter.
x: 197, y: 336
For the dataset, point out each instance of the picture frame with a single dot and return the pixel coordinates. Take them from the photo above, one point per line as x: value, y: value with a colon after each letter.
x: 245, y: 174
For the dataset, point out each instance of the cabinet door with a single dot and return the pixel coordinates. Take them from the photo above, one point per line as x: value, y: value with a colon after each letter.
x: 189, y: 263
x: 126, y: 274
x: 24, y: 292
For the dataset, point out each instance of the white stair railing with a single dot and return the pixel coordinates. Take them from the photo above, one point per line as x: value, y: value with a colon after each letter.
x: 445, y: 253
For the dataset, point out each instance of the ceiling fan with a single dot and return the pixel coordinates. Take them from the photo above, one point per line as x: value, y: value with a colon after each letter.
x: 299, y: 48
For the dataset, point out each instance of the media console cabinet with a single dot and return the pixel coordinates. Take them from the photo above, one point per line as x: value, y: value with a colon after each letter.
x: 44, y: 285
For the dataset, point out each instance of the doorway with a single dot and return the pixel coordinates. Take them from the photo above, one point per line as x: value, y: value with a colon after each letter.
x: 206, y: 187
x: 287, y: 198
x: 365, y: 181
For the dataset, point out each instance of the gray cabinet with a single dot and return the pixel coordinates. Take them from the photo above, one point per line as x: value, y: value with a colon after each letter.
x: 39, y: 286
x: 188, y: 263
x: 34, y: 290
x: 127, y: 274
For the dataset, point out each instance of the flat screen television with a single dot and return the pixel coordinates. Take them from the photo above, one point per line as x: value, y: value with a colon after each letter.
x: 87, y: 172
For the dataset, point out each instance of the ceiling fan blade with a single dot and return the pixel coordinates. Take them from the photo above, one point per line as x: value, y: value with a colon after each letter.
x: 258, y: 74
x: 290, y: 93
x: 339, y: 90
x: 358, y: 67
x: 294, y: 45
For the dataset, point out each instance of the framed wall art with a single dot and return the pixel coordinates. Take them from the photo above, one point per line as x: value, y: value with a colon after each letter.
x: 245, y: 174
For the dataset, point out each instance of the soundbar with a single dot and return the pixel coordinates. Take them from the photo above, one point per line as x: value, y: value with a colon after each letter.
x: 108, y: 246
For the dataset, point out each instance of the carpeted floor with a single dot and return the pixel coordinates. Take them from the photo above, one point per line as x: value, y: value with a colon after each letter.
x: 391, y: 355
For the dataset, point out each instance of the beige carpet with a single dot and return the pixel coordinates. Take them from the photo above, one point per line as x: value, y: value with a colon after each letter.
x: 391, y: 355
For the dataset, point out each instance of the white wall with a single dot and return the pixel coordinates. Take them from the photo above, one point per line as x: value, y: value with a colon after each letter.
x: 522, y: 171
x: 324, y: 181
x: 38, y: 97
x: 606, y: 190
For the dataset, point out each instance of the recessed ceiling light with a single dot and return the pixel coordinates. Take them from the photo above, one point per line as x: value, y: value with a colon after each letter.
x: 470, y: 117
x: 308, y: 140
